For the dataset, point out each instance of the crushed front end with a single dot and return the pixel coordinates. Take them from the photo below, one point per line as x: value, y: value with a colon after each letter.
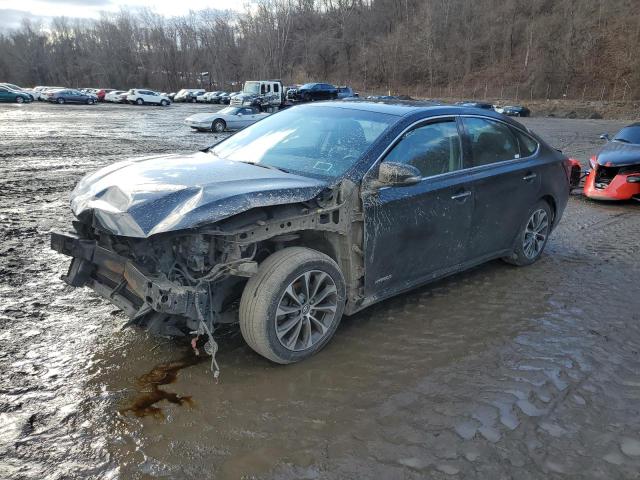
x: 612, y: 182
x: 172, y: 284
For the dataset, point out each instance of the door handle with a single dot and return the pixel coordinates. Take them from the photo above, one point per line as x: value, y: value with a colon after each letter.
x: 461, y: 195
x: 529, y: 176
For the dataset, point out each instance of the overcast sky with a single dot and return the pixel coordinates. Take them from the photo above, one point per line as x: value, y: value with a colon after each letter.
x: 13, y: 11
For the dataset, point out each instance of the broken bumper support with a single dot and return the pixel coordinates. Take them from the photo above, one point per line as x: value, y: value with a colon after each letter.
x: 123, y: 283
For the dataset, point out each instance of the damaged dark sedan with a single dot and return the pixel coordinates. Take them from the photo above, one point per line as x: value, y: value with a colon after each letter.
x: 313, y: 213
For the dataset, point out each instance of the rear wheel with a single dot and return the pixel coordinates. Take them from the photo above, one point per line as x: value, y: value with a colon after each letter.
x: 139, y: 101
x: 218, y: 126
x: 292, y: 307
x: 533, y: 236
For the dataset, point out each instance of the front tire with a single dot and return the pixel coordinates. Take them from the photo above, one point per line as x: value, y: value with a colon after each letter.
x: 139, y: 101
x: 90, y: 101
x: 533, y: 236
x: 292, y: 306
x: 19, y: 100
x: 60, y: 101
x: 218, y: 126
x: 164, y: 103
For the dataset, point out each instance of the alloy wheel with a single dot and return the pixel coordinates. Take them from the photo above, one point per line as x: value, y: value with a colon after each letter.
x: 19, y: 99
x: 306, y: 310
x: 535, y: 234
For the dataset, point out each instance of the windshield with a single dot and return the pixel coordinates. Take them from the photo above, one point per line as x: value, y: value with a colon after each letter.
x: 252, y: 87
x: 629, y: 135
x: 229, y: 110
x: 308, y: 86
x: 320, y: 141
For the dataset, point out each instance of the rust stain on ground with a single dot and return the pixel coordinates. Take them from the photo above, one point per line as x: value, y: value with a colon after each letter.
x: 145, y: 404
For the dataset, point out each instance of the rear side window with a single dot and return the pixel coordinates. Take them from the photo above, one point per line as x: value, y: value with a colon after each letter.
x: 491, y: 141
x: 528, y: 145
x: 276, y: 88
x: 433, y: 149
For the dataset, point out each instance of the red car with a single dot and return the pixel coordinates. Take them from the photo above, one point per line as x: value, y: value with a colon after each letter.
x: 615, y: 169
x: 102, y: 92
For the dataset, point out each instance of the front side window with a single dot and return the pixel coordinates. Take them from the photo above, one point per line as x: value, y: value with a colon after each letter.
x: 491, y: 141
x: 433, y: 149
x: 320, y: 141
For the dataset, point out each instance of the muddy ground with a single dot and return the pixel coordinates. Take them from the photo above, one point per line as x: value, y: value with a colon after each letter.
x: 495, y: 373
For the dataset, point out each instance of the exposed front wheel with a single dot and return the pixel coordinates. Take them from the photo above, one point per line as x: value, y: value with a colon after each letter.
x: 218, y: 126
x: 292, y: 306
x: 533, y: 236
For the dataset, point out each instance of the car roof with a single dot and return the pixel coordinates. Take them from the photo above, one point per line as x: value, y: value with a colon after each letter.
x: 403, y: 108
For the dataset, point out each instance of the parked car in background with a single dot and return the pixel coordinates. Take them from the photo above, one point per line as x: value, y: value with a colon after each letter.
x: 316, y: 91
x: 16, y: 88
x: 102, y: 92
x: 217, y: 97
x: 229, y: 118
x: 513, y: 110
x: 171, y: 95
x: 189, y: 95
x: 346, y: 92
x: 70, y: 95
x: 473, y: 104
x: 7, y: 95
x: 139, y: 96
x: 314, y: 212
x: 203, y: 97
x: 225, y: 98
x: 39, y: 92
x: 116, y: 96
x: 615, y: 169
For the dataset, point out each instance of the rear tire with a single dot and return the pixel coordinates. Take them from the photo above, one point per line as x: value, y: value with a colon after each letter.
x: 292, y: 306
x: 218, y: 126
x: 533, y: 236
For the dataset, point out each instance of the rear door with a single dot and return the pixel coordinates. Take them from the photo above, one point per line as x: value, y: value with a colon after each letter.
x: 416, y: 232
x: 4, y: 95
x: 504, y: 170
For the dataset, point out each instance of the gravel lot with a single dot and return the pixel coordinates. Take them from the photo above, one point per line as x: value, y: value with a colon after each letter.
x: 495, y: 373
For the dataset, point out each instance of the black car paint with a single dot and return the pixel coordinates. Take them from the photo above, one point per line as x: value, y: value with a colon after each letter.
x: 318, y: 91
x: 177, y: 192
x: 619, y: 154
x: 412, y: 234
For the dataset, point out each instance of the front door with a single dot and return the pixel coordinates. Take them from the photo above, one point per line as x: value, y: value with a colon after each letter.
x: 414, y: 233
x: 505, y: 176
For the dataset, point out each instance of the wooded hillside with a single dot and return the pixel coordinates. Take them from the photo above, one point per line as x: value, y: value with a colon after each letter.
x: 431, y: 48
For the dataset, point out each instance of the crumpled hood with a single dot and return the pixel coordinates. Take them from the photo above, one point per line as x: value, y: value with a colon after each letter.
x: 619, y: 154
x: 147, y: 196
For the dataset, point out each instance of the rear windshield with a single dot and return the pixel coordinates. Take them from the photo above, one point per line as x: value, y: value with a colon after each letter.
x: 629, y: 135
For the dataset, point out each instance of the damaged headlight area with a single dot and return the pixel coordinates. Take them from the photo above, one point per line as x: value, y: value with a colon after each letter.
x: 167, y: 284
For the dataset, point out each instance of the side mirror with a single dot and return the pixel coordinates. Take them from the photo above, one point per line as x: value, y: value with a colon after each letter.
x: 397, y: 174
x: 605, y: 136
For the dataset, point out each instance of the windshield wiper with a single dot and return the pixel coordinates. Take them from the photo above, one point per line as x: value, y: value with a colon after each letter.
x: 264, y: 165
